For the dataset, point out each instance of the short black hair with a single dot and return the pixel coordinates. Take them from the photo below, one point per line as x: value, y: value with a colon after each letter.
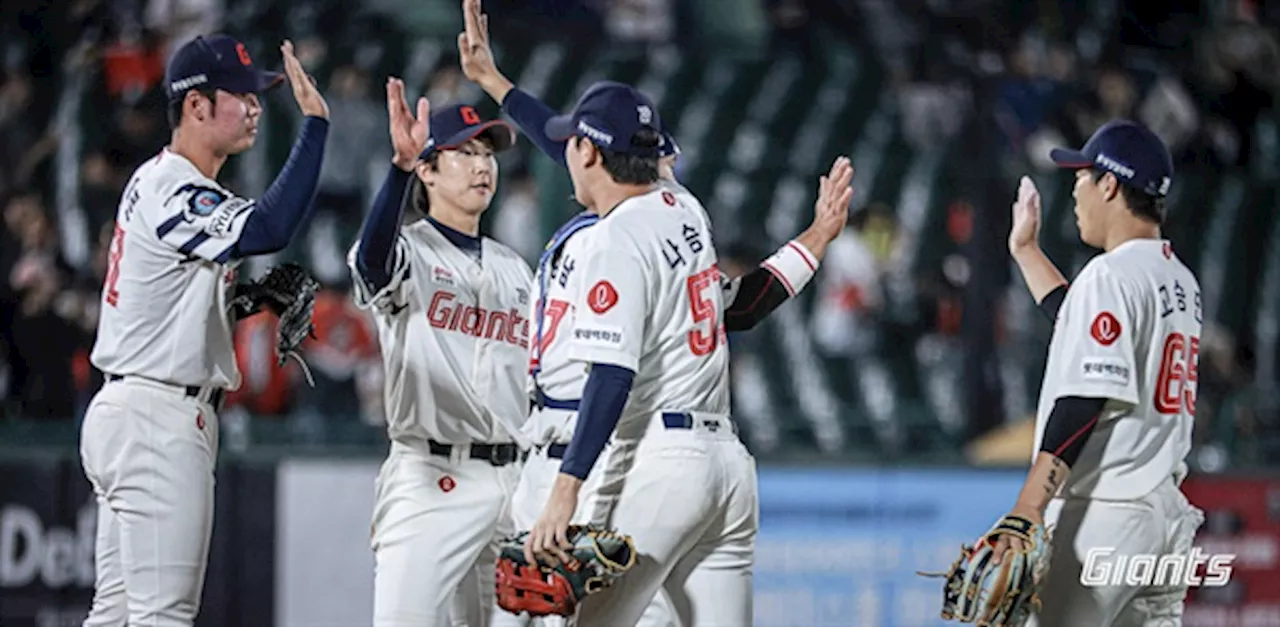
x: 631, y: 169
x: 175, y: 106
x: 1141, y: 204
x: 418, y: 195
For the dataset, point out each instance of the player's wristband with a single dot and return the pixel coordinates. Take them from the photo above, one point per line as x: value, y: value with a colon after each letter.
x: 794, y: 266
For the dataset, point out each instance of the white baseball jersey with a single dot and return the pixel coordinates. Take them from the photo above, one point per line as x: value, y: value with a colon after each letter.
x: 1128, y: 331
x: 169, y: 274
x: 454, y: 337
x: 647, y: 294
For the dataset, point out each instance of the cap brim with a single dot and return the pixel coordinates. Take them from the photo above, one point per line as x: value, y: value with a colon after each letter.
x: 1065, y: 158
x: 498, y: 132
x: 560, y: 128
x: 269, y: 80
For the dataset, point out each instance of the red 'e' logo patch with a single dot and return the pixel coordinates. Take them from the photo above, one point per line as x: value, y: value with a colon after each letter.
x: 244, y: 55
x: 200, y: 420
x: 669, y: 198
x: 447, y: 483
x: 1105, y: 329
x: 602, y: 297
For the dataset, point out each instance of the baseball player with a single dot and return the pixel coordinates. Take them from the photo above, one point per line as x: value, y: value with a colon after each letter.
x: 149, y: 440
x: 750, y: 298
x: 1118, y: 398
x: 450, y: 307
x: 646, y: 325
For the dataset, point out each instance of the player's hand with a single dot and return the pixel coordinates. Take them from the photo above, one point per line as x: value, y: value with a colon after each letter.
x: 304, y: 86
x: 1025, y: 233
x: 408, y: 134
x: 835, y: 192
x: 549, y: 539
x: 1008, y: 542
x: 476, y: 56
x: 831, y: 209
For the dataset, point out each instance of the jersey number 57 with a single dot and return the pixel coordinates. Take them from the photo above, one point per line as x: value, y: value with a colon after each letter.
x: 709, y: 330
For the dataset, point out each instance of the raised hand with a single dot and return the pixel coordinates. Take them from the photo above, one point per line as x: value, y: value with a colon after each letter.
x: 304, y: 86
x: 835, y: 192
x: 1025, y: 233
x: 475, y: 54
x: 408, y: 134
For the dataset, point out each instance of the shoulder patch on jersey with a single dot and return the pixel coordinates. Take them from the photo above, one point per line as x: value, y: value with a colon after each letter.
x: 224, y: 216
x: 602, y: 297
x: 204, y: 200
x: 668, y: 198
x: 1105, y: 329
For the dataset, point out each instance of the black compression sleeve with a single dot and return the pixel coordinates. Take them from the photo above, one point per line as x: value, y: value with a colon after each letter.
x: 1069, y: 426
x: 759, y: 293
x: 1052, y: 302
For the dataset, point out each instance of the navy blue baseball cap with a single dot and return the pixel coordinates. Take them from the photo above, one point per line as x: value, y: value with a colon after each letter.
x: 219, y: 62
x: 669, y: 146
x: 609, y: 114
x: 1126, y: 149
x: 456, y: 125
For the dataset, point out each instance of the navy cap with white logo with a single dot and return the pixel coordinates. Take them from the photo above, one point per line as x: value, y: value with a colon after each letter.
x: 453, y: 126
x: 216, y: 62
x: 1126, y: 149
x: 610, y: 114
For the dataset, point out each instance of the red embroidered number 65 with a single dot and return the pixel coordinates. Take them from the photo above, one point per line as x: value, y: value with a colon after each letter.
x: 1176, y: 383
x: 703, y: 342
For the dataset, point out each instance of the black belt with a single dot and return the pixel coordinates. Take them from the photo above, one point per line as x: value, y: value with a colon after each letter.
x: 216, y: 396
x: 554, y: 451
x: 496, y: 454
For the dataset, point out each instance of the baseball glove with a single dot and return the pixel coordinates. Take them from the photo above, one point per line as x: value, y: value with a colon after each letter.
x: 600, y: 557
x: 290, y: 293
x: 997, y: 595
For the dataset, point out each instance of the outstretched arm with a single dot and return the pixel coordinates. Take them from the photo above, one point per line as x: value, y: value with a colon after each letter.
x: 375, y: 258
x: 752, y: 297
x: 476, y: 58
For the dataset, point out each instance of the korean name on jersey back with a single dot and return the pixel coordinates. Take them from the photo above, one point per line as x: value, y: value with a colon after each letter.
x: 648, y: 298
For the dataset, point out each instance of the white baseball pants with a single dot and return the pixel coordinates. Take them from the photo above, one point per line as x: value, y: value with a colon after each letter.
x: 1161, y: 523
x: 536, y: 479
x: 436, y: 523
x: 150, y: 452
x: 688, y: 497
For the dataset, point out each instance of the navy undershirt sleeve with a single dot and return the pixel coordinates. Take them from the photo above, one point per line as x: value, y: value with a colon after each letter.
x: 381, y: 226
x: 531, y: 115
x: 603, y: 398
x: 287, y: 204
x: 1071, y: 422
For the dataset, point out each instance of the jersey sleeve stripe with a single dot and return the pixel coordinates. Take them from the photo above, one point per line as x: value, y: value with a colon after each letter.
x: 225, y: 255
x: 190, y: 245
x: 169, y: 225
x: 805, y: 255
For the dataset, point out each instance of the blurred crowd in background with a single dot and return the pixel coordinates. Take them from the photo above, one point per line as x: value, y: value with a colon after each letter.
x: 1007, y: 79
